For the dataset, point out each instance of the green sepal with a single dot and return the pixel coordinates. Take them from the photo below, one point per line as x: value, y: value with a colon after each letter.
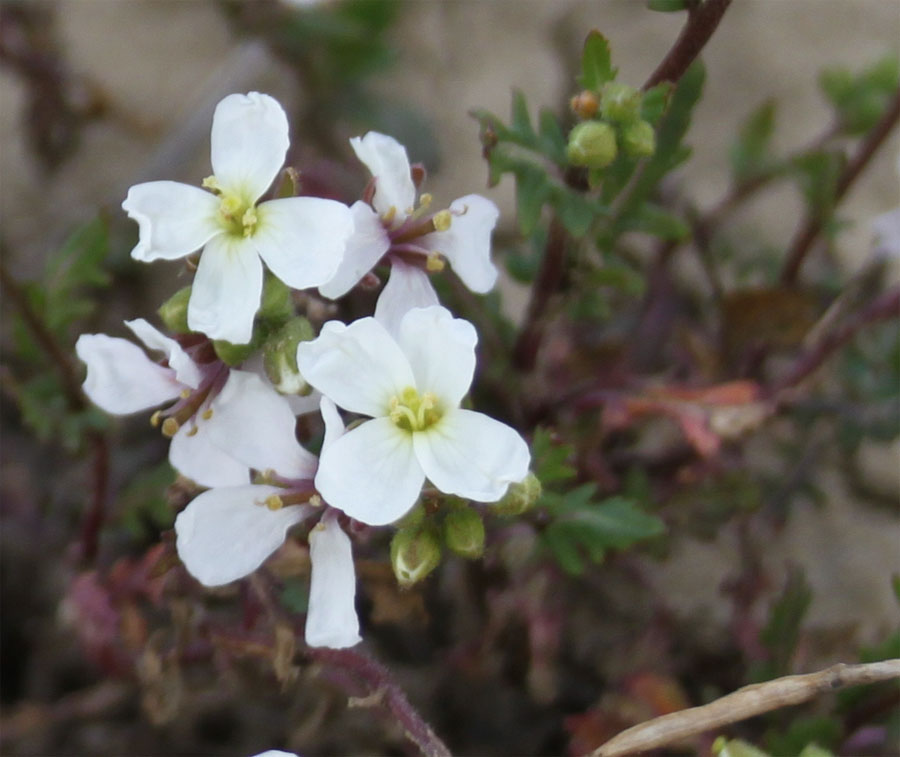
x: 173, y: 312
x: 280, y: 356
x: 464, y: 532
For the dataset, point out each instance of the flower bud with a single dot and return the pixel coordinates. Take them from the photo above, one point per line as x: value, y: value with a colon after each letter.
x: 232, y: 354
x: 415, y: 552
x: 584, y: 104
x: 620, y: 103
x: 277, y: 304
x: 464, y: 532
x: 173, y: 312
x: 639, y: 139
x: 520, y: 497
x: 280, y: 356
x: 592, y: 144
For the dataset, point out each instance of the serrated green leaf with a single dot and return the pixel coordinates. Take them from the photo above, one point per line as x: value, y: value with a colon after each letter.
x: 551, y: 459
x: 520, y: 123
x: 750, y: 152
x: 596, y: 62
x: 552, y: 137
x: 655, y: 101
x: 531, y: 191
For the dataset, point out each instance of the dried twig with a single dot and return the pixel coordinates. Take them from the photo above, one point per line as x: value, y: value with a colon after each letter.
x: 744, y: 703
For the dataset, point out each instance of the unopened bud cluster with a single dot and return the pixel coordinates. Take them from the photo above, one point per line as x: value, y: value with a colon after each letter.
x: 611, y: 123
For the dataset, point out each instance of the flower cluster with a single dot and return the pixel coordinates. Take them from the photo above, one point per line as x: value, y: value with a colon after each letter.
x: 231, y: 417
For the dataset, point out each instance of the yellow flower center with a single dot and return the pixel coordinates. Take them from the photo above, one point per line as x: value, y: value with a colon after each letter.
x: 237, y: 215
x: 412, y: 411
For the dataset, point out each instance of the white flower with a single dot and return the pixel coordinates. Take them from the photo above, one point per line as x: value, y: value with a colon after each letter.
x: 216, y: 414
x: 411, y: 384
x: 886, y: 229
x: 408, y: 287
x: 461, y: 234
x: 227, y: 533
x: 301, y: 239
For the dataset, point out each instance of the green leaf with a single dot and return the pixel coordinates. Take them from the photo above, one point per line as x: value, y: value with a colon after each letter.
x: 520, y: 123
x: 652, y: 219
x: 531, y: 191
x: 817, y: 174
x: 551, y: 458
x: 750, y: 152
x: 667, y: 6
x: 782, y: 631
x: 812, y: 736
x: 142, y: 506
x: 655, y: 101
x: 596, y: 62
x: 552, y: 137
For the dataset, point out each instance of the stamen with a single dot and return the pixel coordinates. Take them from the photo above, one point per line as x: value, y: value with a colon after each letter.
x: 155, y: 418
x: 170, y: 427
x: 388, y: 218
x: 315, y: 500
x: 185, y: 393
x: 441, y: 220
x: 274, y: 502
x: 193, y: 431
x: 249, y: 220
x: 211, y: 182
x: 207, y: 414
x: 425, y: 200
x: 434, y: 262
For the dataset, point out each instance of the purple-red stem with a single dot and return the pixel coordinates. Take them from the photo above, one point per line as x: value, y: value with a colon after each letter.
x: 379, y: 681
x: 812, y: 226
x: 703, y: 18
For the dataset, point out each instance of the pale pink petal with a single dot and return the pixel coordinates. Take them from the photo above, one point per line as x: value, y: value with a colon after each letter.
x: 331, y: 620
x: 365, y: 247
x: 173, y: 219
x: 472, y: 455
x: 302, y: 239
x: 227, y: 533
x: 386, y: 158
x: 408, y: 287
x: 194, y: 455
x: 121, y: 379
x: 371, y: 473
x: 249, y: 141
x: 252, y: 423
x: 467, y: 243
x: 441, y: 351
x: 358, y: 366
x: 186, y: 370
x: 226, y: 291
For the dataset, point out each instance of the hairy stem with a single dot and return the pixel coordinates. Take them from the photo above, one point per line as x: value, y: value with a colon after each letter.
x: 384, y: 691
x: 703, y: 18
x: 812, y: 226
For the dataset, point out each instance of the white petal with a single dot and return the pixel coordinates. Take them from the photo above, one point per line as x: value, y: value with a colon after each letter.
x: 886, y: 228
x: 371, y: 473
x: 226, y: 291
x: 121, y: 379
x: 195, y: 456
x: 302, y: 239
x: 386, y: 158
x: 365, y: 247
x: 301, y: 404
x: 331, y: 619
x: 441, y: 351
x: 408, y: 287
x: 334, y: 425
x: 186, y: 370
x: 472, y: 455
x: 249, y: 142
x: 227, y: 533
x: 467, y: 243
x: 252, y: 423
x: 173, y: 219
x: 278, y: 752
x: 358, y: 366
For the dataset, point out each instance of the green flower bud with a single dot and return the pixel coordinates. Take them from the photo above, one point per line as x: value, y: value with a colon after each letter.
x: 620, y: 103
x: 414, y: 518
x: 280, y: 356
x: 415, y: 552
x: 639, y: 139
x: 520, y: 497
x: 277, y: 304
x: 464, y: 532
x: 592, y: 144
x: 173, y: 312
x: 232, y: 354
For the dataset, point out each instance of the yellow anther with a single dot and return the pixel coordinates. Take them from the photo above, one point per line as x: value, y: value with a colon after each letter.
x: 274, y: 502
x: 230, y: 205
x: 388, y: 218
x: 411, y: 411
x: 193, y: 431
x: 154, y: 419
x: 425, y: 200
x: 211, y: 182
x: 315, y: 500
x: 434, y: 262
x: 170, y: 427
x: 207, y: 414
x: 185, y: 393
x: 249, y: 220
x: 442, y: 220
